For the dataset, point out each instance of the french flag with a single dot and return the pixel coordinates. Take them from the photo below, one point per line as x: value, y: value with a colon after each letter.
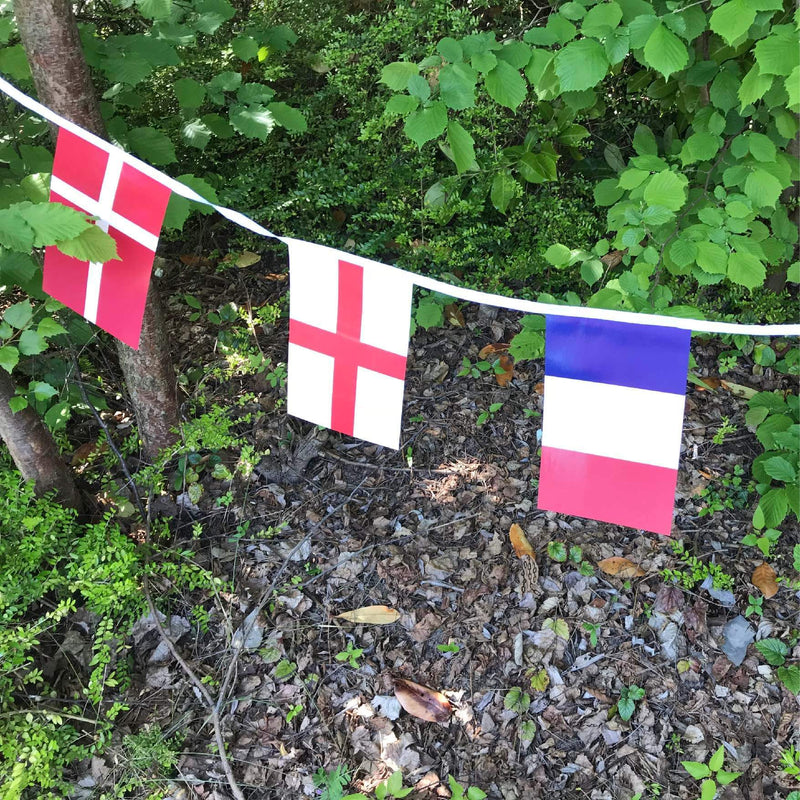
x: 614, y: 398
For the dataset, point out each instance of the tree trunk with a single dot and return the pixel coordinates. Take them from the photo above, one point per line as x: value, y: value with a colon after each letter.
x: 50, y: 37
x: 34, y: 450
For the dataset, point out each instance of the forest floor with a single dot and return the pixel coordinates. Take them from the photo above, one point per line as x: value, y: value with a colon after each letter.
x: 532, y: 654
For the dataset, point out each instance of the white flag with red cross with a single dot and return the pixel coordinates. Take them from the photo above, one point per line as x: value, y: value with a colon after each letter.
x: 349, y: 321
x: 130, y: 206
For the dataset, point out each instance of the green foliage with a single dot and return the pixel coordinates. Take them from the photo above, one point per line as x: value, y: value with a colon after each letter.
x: 729, y: 492
x: 517, y: 700
x: 775, y: 418
x: 628, y: 697
x: 350, y: 655
x: 711, y: 774
x: 775, y: 652
x: 695, y: 571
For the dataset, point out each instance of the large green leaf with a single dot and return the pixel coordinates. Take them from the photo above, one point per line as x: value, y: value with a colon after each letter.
x: 774, y: 506
x: 506, y: 86
x: 724, y: 92
x: 665, y: 52
x: 52, y: 222
x: 19, y: 314
x: 290, y: 118
x: 754, y: 86
x: 733, y: 19
x: 155, y: 9
x: 762, y: 187
x: 151, y: 145
x: 399, y: 105
x: 9, y: 357
x: 504, y: 190
x: 790, y: 675
x: 255, y: 122
x: 31, y: 343
x: 251, y: 93
x: 780, y: 469
x: 126, y: 68
x: 601, y: 19
x: 516, y: 53
x: 196, y: 133
x: 793, y: 89
x: 777, y: 54
x: 457, y: 85
x: 212, y: 14
x: 427, y: 123
x: 245, y: 48
x: 666, y: 189
x: 462, y: 146
x: 396, y: 74
x: 190, y: 93
x: 746, y: 270
x: 607, y: 192
x: 581, y: 65
x: 15, y: 233
x: 712, y: 257
x: 94, y: 244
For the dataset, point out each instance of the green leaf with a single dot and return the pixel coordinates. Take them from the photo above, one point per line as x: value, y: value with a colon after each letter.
x: 696, y: 769
x: 708, y: 790
x: 558, y: 255
x: 245, y: 48
x: 15, y: 233
x: 504, y: 190
x: 419, y: 88
x: 701, y: 146
x: 607, y: 192
x: 218, y: 126
x: 654, y: 216
x: 49, y: 327
x: 9, y: 357
x: 30, y: 343
x: 777, y: 54
x: 712, y: 258
x: 255, y: 122
x: 763, y: 188
x: 151, y: 145
x: 17, y: 403
x: 717, y: 760
x: 746, y: 270
x: 754, y: 86
x: 19, y: 314
x: 290, y: 118
x: 644, y: 142
x: 42, y: 390
x: 617, y: 45
x: 396, y: 74
x: 457, y: 85
x: 427, y: 123
x: 450, y: 49
x: 462, y: 147
x: 474, y: 793
x: 190, y: 93
x: 155, y: 9
x: 399, y: 105
x: 196, y: 133
x: 666, y: 189
x: 724, y: 777
x: 601, y: 19
x: 212, y: 14
x: 515, y: 53
x: 774, y: 506
x: 665, y: 52
x: 222, y: 82
x: 592, y: 270
x: 506, y: 86
x: 773, y: 650
x: 52, y: 222
x: 790, y: 677
x: 683, y: 251
x: 733, y: 19
x: 724, y: 92
x: 792, y: 84
x: 779, y: 469
x: 761, y: 147
x: 94, y: 244
x: 252, y: 93
x: 581, y: 65
x: 626, y: 707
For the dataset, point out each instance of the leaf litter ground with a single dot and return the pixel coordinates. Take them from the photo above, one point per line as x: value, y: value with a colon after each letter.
x: 533, y: 654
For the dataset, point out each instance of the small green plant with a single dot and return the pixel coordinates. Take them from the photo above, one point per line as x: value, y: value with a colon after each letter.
x: 628, y: 697
x: 448, y: 648
x: 790, y: 761
x: 730, y: 492
x: 593, y: 630
x: 527, y: 730
x: 774, y: 652
x: 468, y: 369
x: 350, y: 655
x: 459, y: 792
x: 517, y: 700
x: 293, y: 712
x: 754, y: 606
x: 763, y: 540
x: 675, y: 744
x: 694, y: 571
x: 488, y: 414
x: 711, y: 774
x: 149, y: 756
x: 557, y: 551
x: 201, y: 617
x: 725, y: 428
x: 331, y: 784
x: 429, y: 310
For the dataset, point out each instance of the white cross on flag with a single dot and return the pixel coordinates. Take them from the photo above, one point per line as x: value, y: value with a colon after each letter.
x: 349, y: 324
x: 130, y: 206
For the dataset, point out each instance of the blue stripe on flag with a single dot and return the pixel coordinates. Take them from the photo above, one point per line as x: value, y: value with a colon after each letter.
x: 639, y: 356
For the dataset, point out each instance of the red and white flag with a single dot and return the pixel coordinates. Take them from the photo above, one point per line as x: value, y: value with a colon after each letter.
x: 130, y: 206
x: 349, y: 324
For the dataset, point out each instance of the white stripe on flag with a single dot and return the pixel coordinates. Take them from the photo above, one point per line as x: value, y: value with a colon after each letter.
x: 604, y: 419
x: 93, y: 208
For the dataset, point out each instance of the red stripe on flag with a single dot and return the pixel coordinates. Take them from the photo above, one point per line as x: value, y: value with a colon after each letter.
x: 346, y: 349
x: 79, y: 163
x: 607, y: 489
x: 141, y: 199
x: 65, y: 278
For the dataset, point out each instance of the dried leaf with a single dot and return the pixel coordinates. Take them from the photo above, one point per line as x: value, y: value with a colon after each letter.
x: 613, y: 258
x: 276, y: 276
x: 621, y: 567
x: 492, y: 350
x: 539, y: 388
x: 740, y: 391
x: 452, y: 313
x: 371, y: 615
x: 708, y: 384
x: 764, y: 579
x: 246, y: 259
x: 520, y: 543
x: 86, y: 451
x: 507, y: 366
x: 422, y: 702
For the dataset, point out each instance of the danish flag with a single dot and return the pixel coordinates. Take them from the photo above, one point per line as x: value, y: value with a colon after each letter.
x: 348, y: 341
x: 130, y: 206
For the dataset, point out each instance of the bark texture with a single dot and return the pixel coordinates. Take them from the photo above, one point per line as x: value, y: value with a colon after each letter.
x: 50, y: 37
x: 34, y: 450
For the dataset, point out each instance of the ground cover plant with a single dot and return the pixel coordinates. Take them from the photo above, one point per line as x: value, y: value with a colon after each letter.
x: 338, y: 620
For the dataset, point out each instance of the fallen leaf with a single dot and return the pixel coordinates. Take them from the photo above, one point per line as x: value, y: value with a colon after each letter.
x: 246, y: 259
x: 539, y: 388
x: 739, y: 390
x: 422, y: 702
x: 371, y: 615
x: 507, y: 366
x: 520, y: 543
x: 192, y: 260
x: 452, y: 313
x: 764, y: 579
x: 708, y: 384
x: 621, y: 567
x: 86, y: 451
x: 276, y: 276
x: 492, y: 350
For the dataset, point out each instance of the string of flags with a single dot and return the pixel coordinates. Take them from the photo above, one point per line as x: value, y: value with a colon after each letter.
x: 615, y: 381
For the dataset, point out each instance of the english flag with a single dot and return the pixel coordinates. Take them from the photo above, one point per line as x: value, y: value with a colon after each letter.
x: 613, y: 417
x: 349, y: 324
x: 130, y: 206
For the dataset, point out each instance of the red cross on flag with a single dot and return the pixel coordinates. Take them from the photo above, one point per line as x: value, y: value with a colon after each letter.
x: 130, y: 206
x: 348, y: 341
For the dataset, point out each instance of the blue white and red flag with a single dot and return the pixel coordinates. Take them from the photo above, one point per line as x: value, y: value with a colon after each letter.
x: 614, y: 398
